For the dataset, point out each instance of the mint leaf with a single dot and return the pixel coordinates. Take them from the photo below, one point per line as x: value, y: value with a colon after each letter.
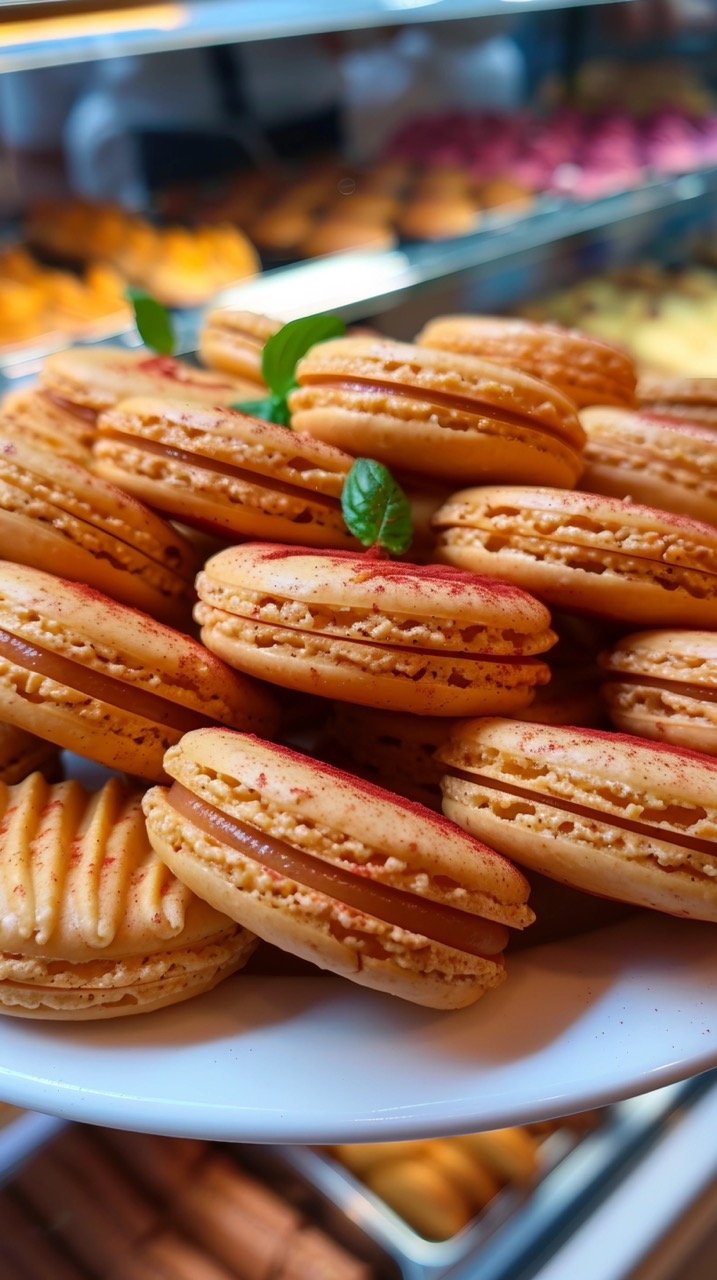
x: 153, y: 321
x: 283, y: 351
x: 375, y: 508
x: 271, y: 409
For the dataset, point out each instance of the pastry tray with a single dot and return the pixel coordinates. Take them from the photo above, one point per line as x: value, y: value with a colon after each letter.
x: 516, y: 1228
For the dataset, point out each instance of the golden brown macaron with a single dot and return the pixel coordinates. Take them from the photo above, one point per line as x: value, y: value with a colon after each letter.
x: 421, y: 1193
x: 584, y: 369
x: 663, y: 685
x: 610, y: 814
x: 663, y: 462
x: 381, y: 633
x: 92, y: 924
x: 33, y: 417
x: 107, y: 681
x: 505, y: 196
x: 393, y: 749
x: 54, y: 512
x: 694, y: 399
x: 229, y: 474
x: 336, y: 871
x: 437, y: 414
x: 232, y: 341
x: 586, y: 553
x: 88, y: 380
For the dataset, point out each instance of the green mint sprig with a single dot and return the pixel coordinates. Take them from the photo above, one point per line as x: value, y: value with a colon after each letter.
x: 279, y: 359
x: 153, y: 321
x: 375, y: 508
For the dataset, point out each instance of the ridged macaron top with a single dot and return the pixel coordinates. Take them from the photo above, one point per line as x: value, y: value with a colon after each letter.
x: 352, y: 824
x: 234, y: 340
x: 79, y: 880
x: 394, y: 602
x: 225, y: 470
x: 54, y: 618
x: 582, y: 367
x: 53, y: 511
x: 95, y: 378
x: 464, y: 383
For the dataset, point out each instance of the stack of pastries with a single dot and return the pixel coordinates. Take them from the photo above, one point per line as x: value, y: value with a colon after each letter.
x: 282, y: 773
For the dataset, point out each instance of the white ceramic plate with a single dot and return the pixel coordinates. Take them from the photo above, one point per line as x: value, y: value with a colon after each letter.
x: 578, y: 1023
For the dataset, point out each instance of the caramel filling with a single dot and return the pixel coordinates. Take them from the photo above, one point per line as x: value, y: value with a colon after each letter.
x: 667, y: 835
x: 446, y: 925
x: 82, y: 411
x: 699, y: 691
x: 117, y: 693
x: 225, y: 469
x: 442, y: 399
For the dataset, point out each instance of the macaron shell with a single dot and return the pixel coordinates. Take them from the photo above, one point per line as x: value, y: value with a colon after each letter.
x: 459, y: 417
x: 300, y: 921
x: 96, y: 378
x: 124, y: 649
x: 586, y: 553
x: 661, y: 462
x: 225, y: 471
x: 23, y: 753
x: 562, y: 800
x: 663, y: 685
x: 232, y: 341
x: 584, y: 369
x: 33, y: 417
x: 55, y: 512
x: 403, y: 637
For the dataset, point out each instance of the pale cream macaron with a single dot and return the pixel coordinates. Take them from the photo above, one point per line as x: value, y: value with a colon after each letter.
x: 586, y: 553
x: 663, y: 685
x: 225, y: 472
x: 420, y: 638
x: 662, y: 462
x: 582, y: 367
x: 610, y: 814
x: 437, y: 414
x: 92, y: 923
x: 233, y: 341
x: 335, y: 870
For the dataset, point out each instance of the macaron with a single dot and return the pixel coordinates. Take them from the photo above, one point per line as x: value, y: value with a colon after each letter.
x: 336, y: 871
x: 29, y: 415
x: 421, y: 1192
x: 22, y: 753
x: 663, y: 685
x: 54, y: 512
x: 92, y: 923
x: 663, y: 462
x: 437, y: 414
x: 420, y: 638
x: 586, y: 553
x: 692, y: 398
x: 584, y: 369
x: 107, y: 681
x: 394, y: 749
x: 87, y: 380
x: 232, y: 341
x: 603, y: 812
x: 229, y: 474
x: 339, y: 235
x: 438, y: 216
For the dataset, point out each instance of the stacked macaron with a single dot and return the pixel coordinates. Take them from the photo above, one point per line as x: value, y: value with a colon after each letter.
x: 349, y: 867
